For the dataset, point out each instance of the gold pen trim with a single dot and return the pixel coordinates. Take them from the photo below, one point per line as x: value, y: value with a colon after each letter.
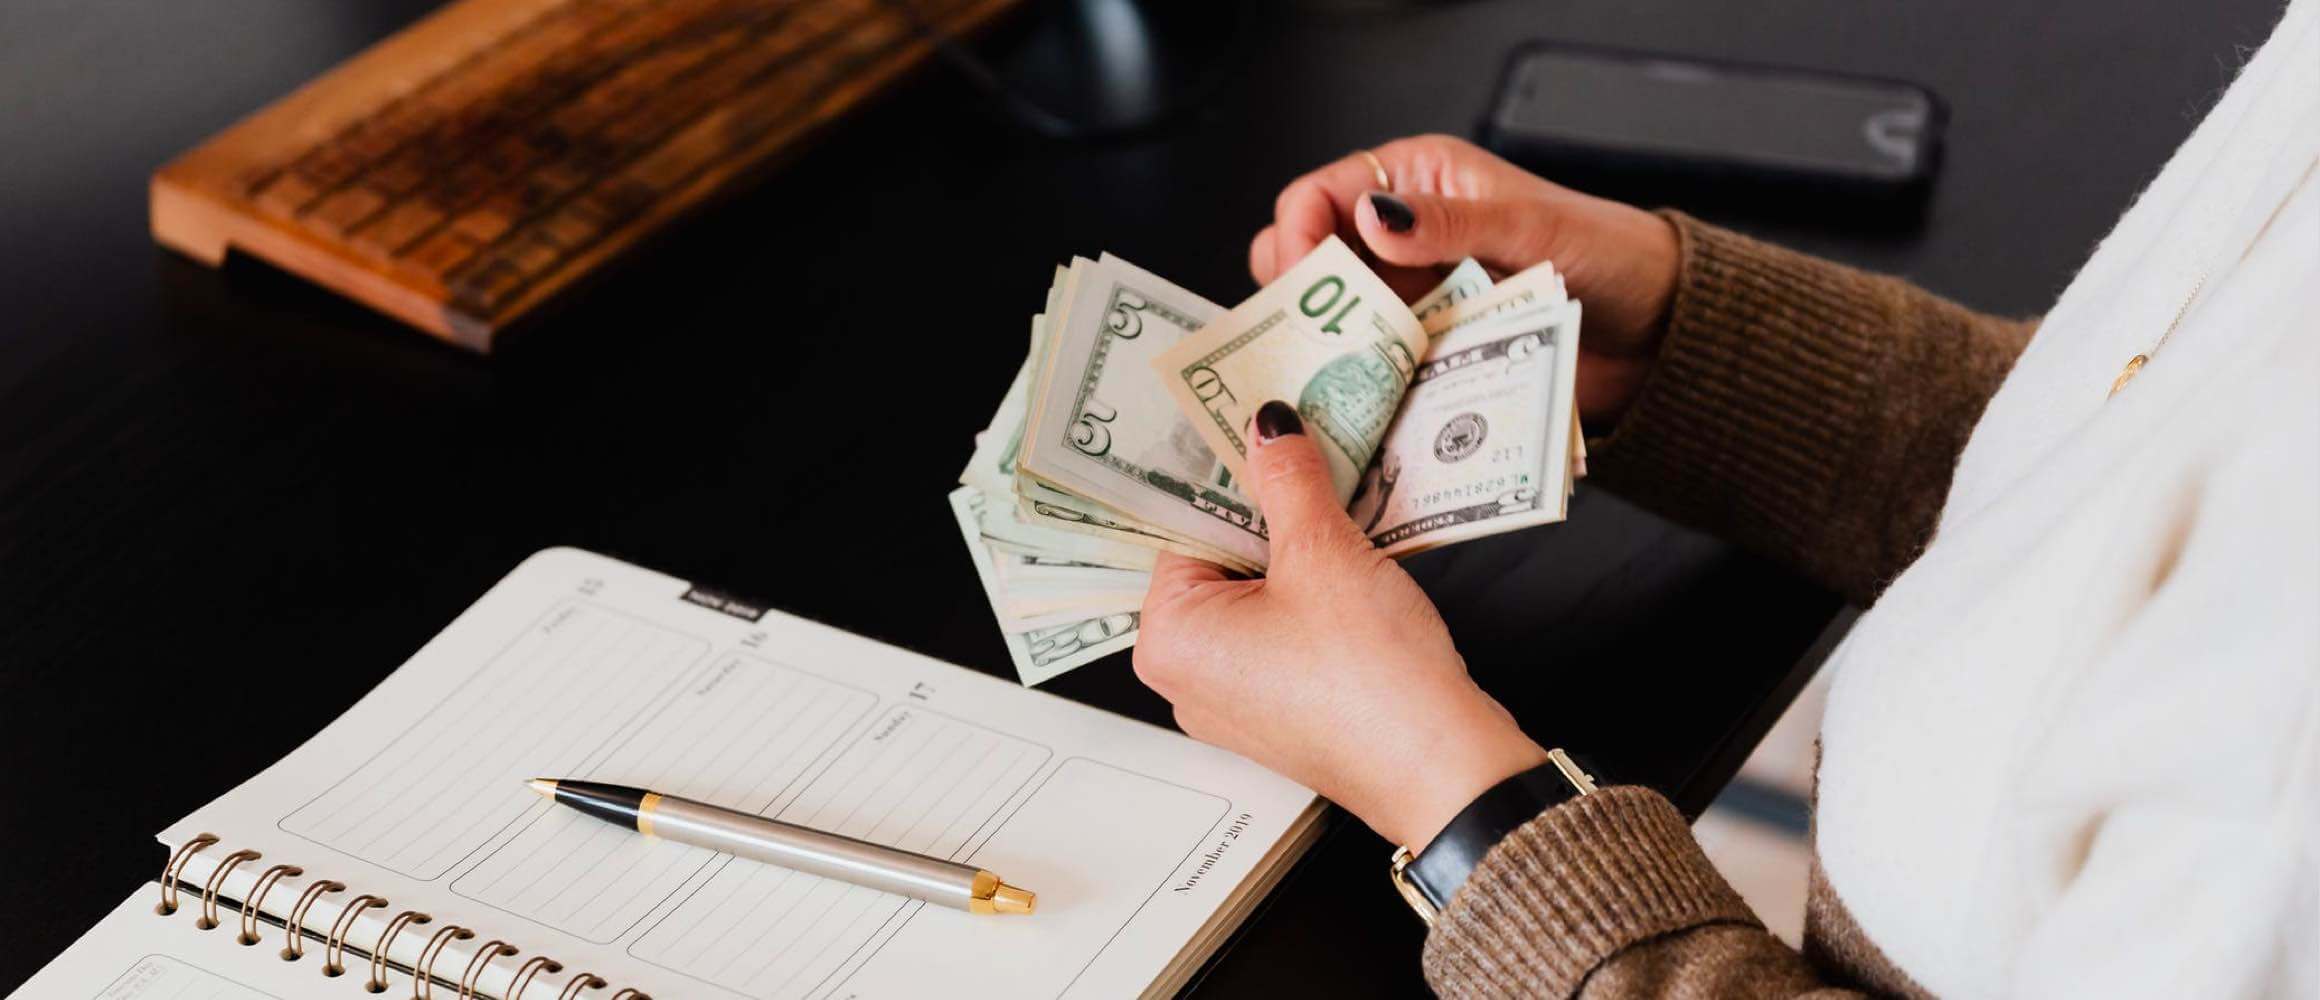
x: 644, y: 811
x: 989, y: 894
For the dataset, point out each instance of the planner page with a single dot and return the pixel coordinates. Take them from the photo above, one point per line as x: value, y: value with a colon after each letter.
x: 579, y: 666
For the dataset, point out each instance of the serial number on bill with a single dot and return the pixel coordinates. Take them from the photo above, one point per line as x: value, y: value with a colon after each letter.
x: 1467, y: 491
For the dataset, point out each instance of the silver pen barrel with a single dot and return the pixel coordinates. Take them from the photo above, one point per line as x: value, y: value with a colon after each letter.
x: 811, y: 851
x: 815, y: 852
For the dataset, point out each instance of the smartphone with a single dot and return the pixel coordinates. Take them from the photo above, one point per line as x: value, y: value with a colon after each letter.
x: 1637, y: 119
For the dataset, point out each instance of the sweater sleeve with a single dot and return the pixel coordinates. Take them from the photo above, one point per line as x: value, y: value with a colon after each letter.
x: 1806, y: 410
x: 1608, y: 896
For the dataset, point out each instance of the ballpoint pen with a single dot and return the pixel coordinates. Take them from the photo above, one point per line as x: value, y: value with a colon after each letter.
x: 772, y: 841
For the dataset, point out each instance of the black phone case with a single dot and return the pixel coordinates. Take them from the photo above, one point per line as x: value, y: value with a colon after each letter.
x: 1645, y: 174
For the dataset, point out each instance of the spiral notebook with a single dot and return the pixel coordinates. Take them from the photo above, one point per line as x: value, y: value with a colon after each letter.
x: 399, y: 853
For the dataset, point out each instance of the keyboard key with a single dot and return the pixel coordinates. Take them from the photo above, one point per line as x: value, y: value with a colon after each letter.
x: 289, y: 192
x: 370, y: 143
x: 570, y: 228
x: 330, y: 166
x: 557, y: 180
x: 340, y: 213
x: 533, y: 255
x: 397, y: 229
x: 514, y: 153
x: 399, y: 176
x: 255, y: 180
x: 439, y: 254
x: 484, y: 225
x: 466, y: 185
x: 487, y: 286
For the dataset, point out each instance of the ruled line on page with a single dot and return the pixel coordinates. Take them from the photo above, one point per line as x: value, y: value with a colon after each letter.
x: 743, y: 734
x: 915, y: 779
x: 557, y: 697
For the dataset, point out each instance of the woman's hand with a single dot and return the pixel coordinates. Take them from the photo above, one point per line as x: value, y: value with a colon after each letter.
x: 1450, y: 200
x: 1334, y: 669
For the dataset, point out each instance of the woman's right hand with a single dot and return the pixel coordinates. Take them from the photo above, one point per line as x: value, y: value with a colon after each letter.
x: 1450, y: 200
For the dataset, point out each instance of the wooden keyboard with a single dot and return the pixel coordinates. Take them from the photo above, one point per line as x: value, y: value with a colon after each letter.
x: 461, y: 172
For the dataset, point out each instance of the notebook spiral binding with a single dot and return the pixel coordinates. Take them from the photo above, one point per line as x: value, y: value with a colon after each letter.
x: 335, y: 946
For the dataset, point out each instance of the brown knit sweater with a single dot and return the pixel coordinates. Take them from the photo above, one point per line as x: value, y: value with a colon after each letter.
x: 1809, y: 412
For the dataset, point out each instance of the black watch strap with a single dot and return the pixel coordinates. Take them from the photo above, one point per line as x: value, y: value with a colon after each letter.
x: 1429, y: 879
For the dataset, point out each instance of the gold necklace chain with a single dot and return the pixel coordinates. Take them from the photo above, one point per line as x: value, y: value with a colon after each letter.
x: 2199, y: 284
x: 2136, y: 363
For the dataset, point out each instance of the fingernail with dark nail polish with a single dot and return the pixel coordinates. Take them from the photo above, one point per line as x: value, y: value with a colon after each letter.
x: 1277, y: 419
x: 1392, y: 211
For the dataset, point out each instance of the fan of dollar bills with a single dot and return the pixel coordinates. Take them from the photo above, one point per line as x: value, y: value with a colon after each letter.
x: 1122, y: 434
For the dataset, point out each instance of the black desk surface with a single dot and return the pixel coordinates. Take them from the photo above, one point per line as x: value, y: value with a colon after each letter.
x: 232, y: 493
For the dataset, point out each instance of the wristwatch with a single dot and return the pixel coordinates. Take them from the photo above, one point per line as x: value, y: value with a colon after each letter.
x: 1428, y: 879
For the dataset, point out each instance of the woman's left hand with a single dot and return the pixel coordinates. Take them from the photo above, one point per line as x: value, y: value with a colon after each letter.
x: 1334, y: 670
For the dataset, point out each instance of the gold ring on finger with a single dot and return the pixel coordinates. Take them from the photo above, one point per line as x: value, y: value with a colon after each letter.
x: 1385, y: 181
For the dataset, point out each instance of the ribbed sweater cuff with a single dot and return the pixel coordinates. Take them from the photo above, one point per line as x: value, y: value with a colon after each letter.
x: 1758, y: 392
x: 1570, y: 889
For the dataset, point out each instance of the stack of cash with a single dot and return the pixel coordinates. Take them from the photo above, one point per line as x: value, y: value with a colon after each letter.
x: 1124, y: 432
